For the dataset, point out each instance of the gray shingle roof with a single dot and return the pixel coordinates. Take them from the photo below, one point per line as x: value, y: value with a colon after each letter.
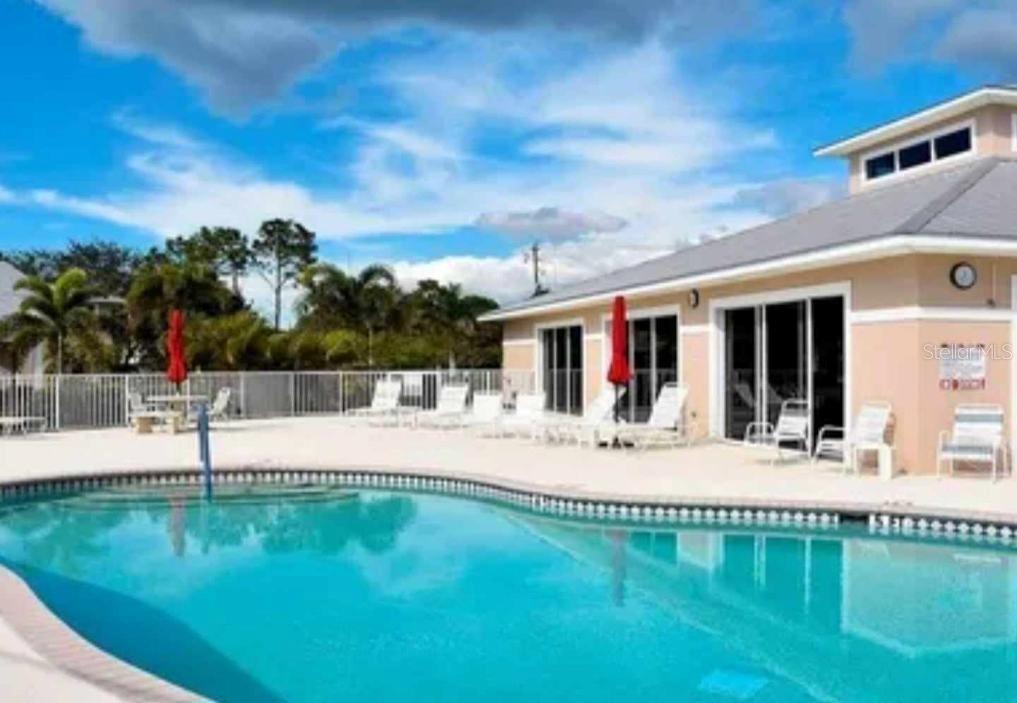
x: 10, y: 299
x: 978, y: 198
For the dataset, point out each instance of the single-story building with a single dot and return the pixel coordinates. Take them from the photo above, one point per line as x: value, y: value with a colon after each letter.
x: 904, y: 291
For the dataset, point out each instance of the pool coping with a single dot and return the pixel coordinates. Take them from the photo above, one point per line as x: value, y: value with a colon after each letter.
x: 61, y: 646
x: 887, y: 517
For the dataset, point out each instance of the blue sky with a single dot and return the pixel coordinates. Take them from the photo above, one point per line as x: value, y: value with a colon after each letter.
x: 442, y: 137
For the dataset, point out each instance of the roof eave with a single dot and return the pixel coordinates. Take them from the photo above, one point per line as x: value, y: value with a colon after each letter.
x: 882, y: 246
x: 937, y: 113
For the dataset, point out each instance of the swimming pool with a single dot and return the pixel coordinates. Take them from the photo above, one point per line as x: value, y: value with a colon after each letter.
x: 323, y: 594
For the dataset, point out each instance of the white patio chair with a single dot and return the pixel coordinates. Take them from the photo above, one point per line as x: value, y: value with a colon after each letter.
x: 485, y: 414
x: 793, y: 426
x: 220, y: 409
x: 868, y: 434
x: 530, y: 418
x: 384, y: 402
x: 450, y: 410
x: 978, y: 436
x: 595, y: 426
x: 21, y: 424
x: 666, y: 425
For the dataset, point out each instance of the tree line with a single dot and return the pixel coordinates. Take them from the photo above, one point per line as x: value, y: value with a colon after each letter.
x: 103, y: 307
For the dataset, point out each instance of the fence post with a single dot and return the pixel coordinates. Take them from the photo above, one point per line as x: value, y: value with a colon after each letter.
x: 243, y: 394
x: 342, y: 391
x: 58, y: 419
x: 293, y: 393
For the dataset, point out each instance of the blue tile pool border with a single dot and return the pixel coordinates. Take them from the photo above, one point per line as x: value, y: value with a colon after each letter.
x: 628, y: 510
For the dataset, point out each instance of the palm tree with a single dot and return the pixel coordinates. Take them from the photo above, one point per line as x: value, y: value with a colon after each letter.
x: 157, y: 289
x: 366, y: 302
x: 444, y: 311
x: 57, y: 314
x: 235, y: 342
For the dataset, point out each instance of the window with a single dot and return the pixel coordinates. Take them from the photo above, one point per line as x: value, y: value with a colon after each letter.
x: 915, y: 155
x: 944, y: 144
x: 879, y: 166
x: 956, y: 142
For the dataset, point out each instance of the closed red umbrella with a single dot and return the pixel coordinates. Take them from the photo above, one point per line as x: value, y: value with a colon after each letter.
x: 619, y: 372
x: 176, y: 371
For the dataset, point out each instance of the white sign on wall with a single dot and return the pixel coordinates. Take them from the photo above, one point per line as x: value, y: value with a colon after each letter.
x: 962, y: 366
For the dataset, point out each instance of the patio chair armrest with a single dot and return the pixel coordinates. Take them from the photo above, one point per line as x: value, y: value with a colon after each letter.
x: 833, y: 429
x: 757, y: 428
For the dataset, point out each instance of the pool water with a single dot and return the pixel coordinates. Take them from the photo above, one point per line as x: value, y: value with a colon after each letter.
x: 332, y: 596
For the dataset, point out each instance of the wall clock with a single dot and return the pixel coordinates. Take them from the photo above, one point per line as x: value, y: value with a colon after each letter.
x: 963, y: 275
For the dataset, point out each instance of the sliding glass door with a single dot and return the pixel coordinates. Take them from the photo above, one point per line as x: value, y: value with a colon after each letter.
x: 741, y: 378
x: 785, y: 356
x: 827, y: 362
x: 653, y: 358
x: 561, y: 352
x: 783, y: 351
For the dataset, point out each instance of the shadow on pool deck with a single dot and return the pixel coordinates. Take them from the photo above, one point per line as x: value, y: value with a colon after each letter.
x: 144, y: 636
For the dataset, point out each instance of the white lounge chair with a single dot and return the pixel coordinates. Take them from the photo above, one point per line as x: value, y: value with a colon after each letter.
x: 384, y: 403
x: 793, y: 426
x: 451, y: 408
x: 220, y: 409
x: 20, y: 424
x: 595, y: 426
x: 485, y: 414
x: 868, y: 434
x: 977, y: 437
x: 529, y: 419
x: 666, y: 425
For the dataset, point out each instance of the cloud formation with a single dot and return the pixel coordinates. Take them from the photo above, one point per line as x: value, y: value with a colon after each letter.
x: 236, y: 56
x: 429, y: 171
x: 243, y: 53
x: 982, y: 33
x: 790, y: 195
x: 549, y: 222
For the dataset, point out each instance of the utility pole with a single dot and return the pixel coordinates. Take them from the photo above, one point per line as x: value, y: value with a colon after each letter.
x: 533, y: 256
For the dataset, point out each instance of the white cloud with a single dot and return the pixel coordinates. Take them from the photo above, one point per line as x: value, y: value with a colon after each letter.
x: 790, y: 195
x: 237, y: 55
x: 621, y: 138
x: 549, y: 222
x: 242, y: 53
x: 980, y: 33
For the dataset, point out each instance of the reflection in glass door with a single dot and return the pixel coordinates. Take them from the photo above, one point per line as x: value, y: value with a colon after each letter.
x: 653, y: 357
x: 827, y: 363
x: 784, y: 330
x: 561, y: 351
x: 740, y: 386
x: 779, y: 352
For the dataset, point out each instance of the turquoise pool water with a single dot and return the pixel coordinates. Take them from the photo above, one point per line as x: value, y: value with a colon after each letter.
x: 326, y: 596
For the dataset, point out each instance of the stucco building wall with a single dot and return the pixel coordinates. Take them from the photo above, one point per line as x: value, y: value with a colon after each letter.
x: 900, y: 307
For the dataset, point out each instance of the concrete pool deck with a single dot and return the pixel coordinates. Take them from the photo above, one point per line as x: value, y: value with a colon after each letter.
x: 705, y: 474
x: 700, y: 474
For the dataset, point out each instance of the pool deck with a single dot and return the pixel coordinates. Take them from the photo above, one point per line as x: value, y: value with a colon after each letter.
x: 701, y: 474
x: 712, y: 473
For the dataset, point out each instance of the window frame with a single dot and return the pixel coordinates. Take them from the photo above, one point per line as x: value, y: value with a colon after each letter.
x: 929, y: 136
